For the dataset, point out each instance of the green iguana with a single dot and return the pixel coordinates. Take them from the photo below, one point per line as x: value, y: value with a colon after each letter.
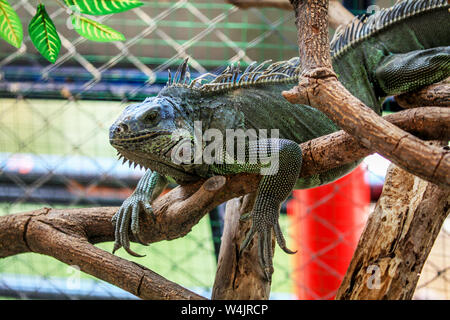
x: 395, y: 50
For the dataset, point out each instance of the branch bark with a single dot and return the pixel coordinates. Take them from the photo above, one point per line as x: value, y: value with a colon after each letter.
x: 397, y: 239
x: 237, y: 277
x: 437, y: 94
x: 63, y: 235
x: 339, y: 148
x: 318, y: 87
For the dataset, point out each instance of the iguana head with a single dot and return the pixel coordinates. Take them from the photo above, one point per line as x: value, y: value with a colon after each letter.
x: 149, y: 131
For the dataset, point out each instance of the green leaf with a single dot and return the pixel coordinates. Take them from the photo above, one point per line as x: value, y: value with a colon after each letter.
x: 43, y: 34
x: 95, y: 31
x: 101, y: 7
x: 10, y: 25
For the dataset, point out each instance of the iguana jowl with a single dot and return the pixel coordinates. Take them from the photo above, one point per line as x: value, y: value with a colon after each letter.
x: 395, y: 50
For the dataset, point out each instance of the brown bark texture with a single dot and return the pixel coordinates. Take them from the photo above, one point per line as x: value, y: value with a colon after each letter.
x: 239, y: 277
x: 437, y: 95
x: 397, y: 239
x: 339, y: 148
x: 64, y: 234
x: 318, y: 87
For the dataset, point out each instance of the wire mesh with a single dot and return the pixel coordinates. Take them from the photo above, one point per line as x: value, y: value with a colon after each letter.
x: 54, y: 150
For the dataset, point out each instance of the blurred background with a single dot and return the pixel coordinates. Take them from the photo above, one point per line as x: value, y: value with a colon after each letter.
x: 54, y: 149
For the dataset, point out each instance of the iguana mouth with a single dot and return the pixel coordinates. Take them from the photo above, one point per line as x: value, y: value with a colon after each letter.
x: 136, y: 138
x: 135, y: 159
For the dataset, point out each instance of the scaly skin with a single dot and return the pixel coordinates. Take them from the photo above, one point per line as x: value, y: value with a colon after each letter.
x: 374, y: 64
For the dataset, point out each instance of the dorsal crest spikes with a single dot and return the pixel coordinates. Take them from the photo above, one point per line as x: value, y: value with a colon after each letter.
x: 181, y: 76
x: 365, y: 25
x: 359, y: 29
x: 232, y: 77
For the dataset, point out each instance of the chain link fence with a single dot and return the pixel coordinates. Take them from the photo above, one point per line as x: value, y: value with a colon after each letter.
x: 54, y: 149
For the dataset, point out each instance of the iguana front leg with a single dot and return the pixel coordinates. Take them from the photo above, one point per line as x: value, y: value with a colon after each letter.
x: 279, y: 178
x: 148, y: 188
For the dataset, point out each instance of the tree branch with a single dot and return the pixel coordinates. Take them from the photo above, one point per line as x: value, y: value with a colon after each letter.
x: 397, y: 239
x: 241, y: 277
x: 437, y: 94
x: 319, y: 88
x: 333, y: 150
x: 63, y: 235
x: 338, y: 13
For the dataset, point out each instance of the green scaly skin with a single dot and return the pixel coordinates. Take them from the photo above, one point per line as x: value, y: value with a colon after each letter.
x: 400, y: 57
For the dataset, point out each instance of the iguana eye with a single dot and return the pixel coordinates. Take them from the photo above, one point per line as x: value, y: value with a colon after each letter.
x: 152, y: 116
x: 121, y: 128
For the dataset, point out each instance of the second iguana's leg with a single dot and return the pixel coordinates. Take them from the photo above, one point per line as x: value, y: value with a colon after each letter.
x: 148, y: 188
x: 275, y: 186
x: 399, y: 73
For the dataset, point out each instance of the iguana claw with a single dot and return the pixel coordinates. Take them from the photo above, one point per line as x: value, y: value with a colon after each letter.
x: 264, y: 230
x: 129, y: 213
x: 149, y: 187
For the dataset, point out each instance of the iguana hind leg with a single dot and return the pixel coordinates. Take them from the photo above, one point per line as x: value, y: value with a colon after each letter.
x: 279, y: 176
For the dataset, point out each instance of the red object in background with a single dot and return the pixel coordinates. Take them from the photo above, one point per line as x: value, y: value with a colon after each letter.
x: 326, y: 223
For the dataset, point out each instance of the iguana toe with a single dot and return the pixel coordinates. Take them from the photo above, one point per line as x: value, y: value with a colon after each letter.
x: 126, y: 215
x: 135, y: 228
x: 265, y: 252
x: 280, y: 238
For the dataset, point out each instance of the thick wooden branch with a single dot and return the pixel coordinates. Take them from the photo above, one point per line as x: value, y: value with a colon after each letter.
x: 311, y: 19
x: 319, y: 88
x: 338, y: 14
x: 437, y: 95
x: 397, y: 239
x: 237, y: 277
x: 68, y: 236
x: 339, y: 148
x: 63, y: 235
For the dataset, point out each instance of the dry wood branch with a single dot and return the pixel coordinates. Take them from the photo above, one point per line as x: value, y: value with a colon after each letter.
x: 239, y: 278
x: 437, y: 94
x: 68, y: 235
x: 428, y: 123
x: 319, y: 87
x: 397, y: 239
x: 338, y: 14
x: 62, y: 235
